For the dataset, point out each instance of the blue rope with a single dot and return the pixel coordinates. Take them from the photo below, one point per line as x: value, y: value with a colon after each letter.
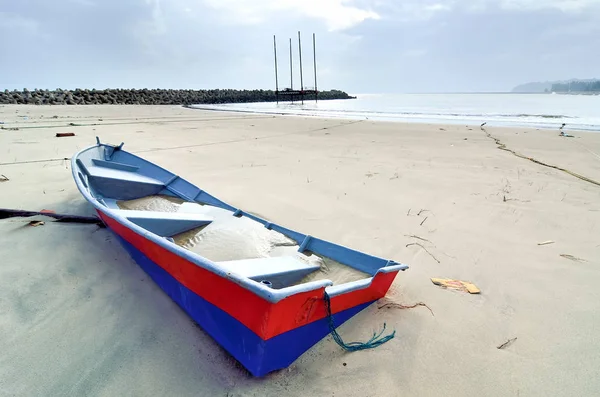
x: 375, y: 341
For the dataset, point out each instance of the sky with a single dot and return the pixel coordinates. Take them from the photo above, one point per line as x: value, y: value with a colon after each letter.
x: 363, y: 46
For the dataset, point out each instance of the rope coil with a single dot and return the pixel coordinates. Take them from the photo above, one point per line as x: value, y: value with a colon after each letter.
x: 375, y: 341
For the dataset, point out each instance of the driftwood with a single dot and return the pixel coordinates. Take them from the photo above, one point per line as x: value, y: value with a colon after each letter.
x: 426, y: 250
x: 546, y: 242
x: 573, y: 258
x: 508, y: 342
x: 9, y: 213
x: 417, y: 237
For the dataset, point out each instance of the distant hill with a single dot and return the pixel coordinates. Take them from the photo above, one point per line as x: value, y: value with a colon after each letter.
x: 534, y: 87
x: 572, y: 85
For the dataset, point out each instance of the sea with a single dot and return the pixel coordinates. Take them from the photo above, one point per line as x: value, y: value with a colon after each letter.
x: 578, y: 112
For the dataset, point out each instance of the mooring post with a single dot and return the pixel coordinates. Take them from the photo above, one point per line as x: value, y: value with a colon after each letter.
x: 315, y: 65
x: 301, y: 80
x: 276, y: 79
x: 291, y: 71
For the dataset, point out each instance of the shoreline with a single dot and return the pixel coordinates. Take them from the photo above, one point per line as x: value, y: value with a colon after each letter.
x: 403, y: 119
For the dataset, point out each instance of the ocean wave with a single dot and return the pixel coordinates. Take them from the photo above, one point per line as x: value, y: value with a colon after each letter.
x: 300, y: 109
x: 544, y: 116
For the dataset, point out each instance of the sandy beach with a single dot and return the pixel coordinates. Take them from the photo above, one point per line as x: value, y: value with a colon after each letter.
x: 79, y: 318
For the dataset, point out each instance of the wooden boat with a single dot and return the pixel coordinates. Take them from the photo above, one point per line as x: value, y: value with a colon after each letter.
x: 264, y: 309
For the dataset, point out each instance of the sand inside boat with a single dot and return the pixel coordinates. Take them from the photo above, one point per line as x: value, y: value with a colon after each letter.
x: 231, y: 238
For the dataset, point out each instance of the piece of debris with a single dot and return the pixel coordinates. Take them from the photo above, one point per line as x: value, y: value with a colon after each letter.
x: 417, y: 237
x: 399, y: 306
x: 408, y: 213
x: 464, y: 286
x: 573, y: 258
x: 423, y: 221
x: 546, y: 242
x: 4, y: 178
x: 426, y: 250
x: 63, y: 134
x: 36, y: 223
x: 508, y: 342
x: 421, y: 212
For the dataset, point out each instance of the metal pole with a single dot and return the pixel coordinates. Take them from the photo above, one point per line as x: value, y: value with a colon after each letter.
x: 315, y: 64
x: 276, y: 79
x: 291, y: 71
x: 301, y: 81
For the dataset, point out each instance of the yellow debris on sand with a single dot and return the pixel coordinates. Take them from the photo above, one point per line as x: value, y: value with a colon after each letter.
x: 456, y: 284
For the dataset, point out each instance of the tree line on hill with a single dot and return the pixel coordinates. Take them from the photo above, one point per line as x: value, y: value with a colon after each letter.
x: 150, y: 96
x: 564, y: 86
x: 577, y: 86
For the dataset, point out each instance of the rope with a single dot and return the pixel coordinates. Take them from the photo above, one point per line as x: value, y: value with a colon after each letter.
x: 200, y: 144
x: 156, y: 121
x: 502, y: 146
x: 375, y: 341
x: 35, y: 161
x: 583, y: 147
x: 246, y: 139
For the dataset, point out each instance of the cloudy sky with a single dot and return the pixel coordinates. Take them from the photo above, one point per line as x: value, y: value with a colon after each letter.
x: 363, y: 46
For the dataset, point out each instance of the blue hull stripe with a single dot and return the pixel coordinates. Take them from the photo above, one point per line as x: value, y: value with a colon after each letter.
x: 257, y: 355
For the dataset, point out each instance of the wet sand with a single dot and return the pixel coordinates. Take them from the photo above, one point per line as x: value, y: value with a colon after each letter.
x: 78, y: 317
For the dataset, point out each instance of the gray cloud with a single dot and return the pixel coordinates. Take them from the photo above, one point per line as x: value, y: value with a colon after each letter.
x: 363, y: 45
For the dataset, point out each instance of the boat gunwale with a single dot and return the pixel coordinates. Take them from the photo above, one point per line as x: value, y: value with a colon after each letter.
x: 271, y: 295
